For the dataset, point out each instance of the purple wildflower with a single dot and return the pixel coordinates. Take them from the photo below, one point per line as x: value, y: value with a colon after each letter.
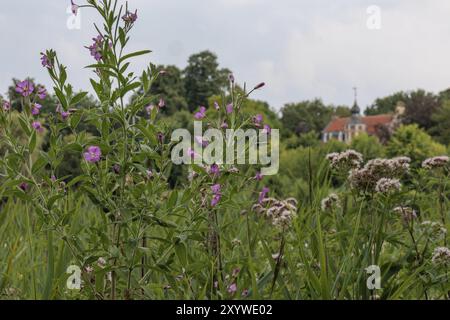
x: 45, y: 61
x: 216, y: 105
x: 35, y: 109
x: 257, y: 120
x: 263, y: 194
x: 74, y: 8
x: 130, y: 17
x: 25, y: 88
x: 65, y: 114
x: 245, y: 293
x: 267, y: 129
x: 42, y: 93
x: 149, y: 174
x: 6, y: 106
x: 160, y: 136
x: 259, y: 176
x: 93, y: 154
x: 214, y: 169
x: 53, y: 178
x: 231, y: 77
x: 24, y: 186
x: 162, y: 103
x: 224, y: 125
x: 229, y: 108
x: 191, y: 153
x: 96, y: 48
x: 216, y: 188
x: 232, y: 288
x: 201, y: 114
x: 37, y: 126
x: 216, y: 199
x: 201, y: 142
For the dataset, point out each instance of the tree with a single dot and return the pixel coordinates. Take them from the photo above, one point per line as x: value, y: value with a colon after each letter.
x: 306, y: 116
x: 170, y: 87
x: 420, y: 106
x: 413, y: 142
x: 386, y: 104
x: 203, y: 79
x: 441, y: 129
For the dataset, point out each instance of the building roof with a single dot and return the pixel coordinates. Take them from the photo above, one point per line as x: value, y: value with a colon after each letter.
x: 371, y: 122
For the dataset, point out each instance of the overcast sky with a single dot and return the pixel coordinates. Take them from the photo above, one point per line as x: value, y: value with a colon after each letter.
x: 301, y: 49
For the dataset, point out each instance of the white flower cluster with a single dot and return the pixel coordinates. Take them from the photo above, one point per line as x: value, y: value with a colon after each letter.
x: 330, y: 202
x: 386, y: 185
x: 349, y: 159
x: 407, y: 214
x: 436, y: 162
x: 441, y: 255
x: 434, y: 230
x: 368, y: 177
x: 281, y: 212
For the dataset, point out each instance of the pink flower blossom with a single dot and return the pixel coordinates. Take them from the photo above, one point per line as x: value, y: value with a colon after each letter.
x: 267, y: 129
x: 216, y: 188
x: 232, y: 288
x: 161, y: 103
x: 216, y: 199
x: 25, y: 88
x: 191, y: 153
x: 214, y: 169
x: 216, y: 105
x: 93, y: 154
x: 37, y: 126
x: 6, y: 106
x: 35, y: 109
x: 74, y: 8
x: 263, y: 194
x: 257, y: 120
x: 229, y: 108
x: 45, y: 61
x: 42, y: 93
x: 200, y: 114
x: 259, y: 176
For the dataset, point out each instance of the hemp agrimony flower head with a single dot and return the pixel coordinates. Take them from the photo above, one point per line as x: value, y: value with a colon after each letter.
x: 346, y: 160
x: 365, y: 179
x: 330, y: 202
x: 441, y: 255
x: 433, y: 230
x: 407, y: 214
x: 435, y: 162
x: 387, y: 185
x: 281, y: 212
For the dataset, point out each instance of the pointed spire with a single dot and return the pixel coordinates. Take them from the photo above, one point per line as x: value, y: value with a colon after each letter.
x: 355, y: 109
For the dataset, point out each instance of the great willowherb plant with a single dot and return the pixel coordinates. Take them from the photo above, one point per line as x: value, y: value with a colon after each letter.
x: 125, y: 168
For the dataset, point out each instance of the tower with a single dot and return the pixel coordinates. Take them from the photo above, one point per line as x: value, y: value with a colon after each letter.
x: 355, y: 126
